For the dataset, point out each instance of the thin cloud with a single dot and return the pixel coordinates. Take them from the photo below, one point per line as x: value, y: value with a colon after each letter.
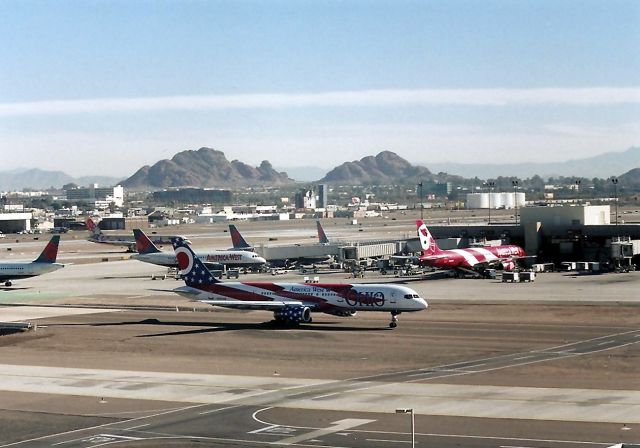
x: 591, y: 96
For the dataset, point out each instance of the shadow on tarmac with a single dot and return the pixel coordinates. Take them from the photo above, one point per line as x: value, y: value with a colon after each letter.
x: 213, y: 327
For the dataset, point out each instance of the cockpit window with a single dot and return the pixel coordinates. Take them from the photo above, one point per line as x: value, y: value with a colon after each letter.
x: 411, y: 296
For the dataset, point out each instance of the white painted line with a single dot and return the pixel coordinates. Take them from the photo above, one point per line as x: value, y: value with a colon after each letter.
x: 606, y: 342
x: 340, y: 425
x: 388, y: 441
x: 266, y: 428
x: 136, y: 427
x: 523, y: 357
x: 512, y: 446
x: 219, y: 409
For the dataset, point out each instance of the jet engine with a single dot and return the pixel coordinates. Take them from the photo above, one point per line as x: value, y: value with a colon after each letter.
x: 293, y: 314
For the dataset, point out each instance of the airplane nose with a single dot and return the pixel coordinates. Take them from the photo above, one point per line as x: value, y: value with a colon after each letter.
x: 422, y: 303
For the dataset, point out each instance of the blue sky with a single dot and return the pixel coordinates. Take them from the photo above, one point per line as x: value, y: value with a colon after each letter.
x: 107, y: 86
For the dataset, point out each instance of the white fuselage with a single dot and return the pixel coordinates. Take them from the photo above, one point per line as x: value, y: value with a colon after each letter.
x: 319, y: 296
x: 229, y: 258
x: 16, y: 270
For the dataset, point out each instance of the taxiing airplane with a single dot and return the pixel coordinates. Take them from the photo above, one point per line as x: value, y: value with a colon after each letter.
x: 216, y: 259
x: 97, y: 236
x: 472, y: 259
x: 239, y: 243
x: 292, y: 303
x: 45, y: 263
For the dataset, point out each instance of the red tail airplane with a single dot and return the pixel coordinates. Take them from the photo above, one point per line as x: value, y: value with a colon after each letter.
x: 470, y: 259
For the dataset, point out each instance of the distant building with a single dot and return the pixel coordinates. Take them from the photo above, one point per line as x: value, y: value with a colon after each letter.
x: 98, y: 197
x: 437, y: 188
x: 323, y: 192
x: 495, y: 200
x: 305, y: 199
x: 567, y: 215
x: 194, y: 196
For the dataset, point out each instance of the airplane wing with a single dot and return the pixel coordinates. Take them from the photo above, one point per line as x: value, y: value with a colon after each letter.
x: 253, y: 305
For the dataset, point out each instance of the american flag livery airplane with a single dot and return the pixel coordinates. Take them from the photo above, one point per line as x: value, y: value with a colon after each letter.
x: 292, y: 303
x: 470, y: 259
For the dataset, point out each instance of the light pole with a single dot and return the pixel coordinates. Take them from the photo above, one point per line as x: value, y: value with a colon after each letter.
x: 491, y: 185
x: 515, y: 197
x: 413, y: 424
x: 421, y: 206
x: 614, y: 180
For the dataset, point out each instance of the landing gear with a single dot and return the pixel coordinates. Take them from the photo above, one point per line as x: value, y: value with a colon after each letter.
x: 394, y: 319
x: 8, y: 283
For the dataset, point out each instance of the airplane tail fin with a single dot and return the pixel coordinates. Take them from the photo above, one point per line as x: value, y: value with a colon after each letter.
x: 238, y: 241
x: 191, y: 269
x: 50, y: 251
x: 93, y: 227
x: 427, y: 241
x: 143, y: 244
x: 321, y: 235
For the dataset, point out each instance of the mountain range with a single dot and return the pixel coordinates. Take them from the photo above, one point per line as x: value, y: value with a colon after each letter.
x: 208, y: 167
x: 205, y: 167
x: 34, y: 178
x: 602, y: 166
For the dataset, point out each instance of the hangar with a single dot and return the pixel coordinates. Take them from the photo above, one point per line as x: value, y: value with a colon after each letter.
x: 15, y: 222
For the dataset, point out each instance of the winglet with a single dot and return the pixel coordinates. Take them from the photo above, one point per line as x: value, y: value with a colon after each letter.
x: 322, y: 237
x: 191, y: 269
x: 50, y: 252
x: 238, y: 241
x: 143, y: 244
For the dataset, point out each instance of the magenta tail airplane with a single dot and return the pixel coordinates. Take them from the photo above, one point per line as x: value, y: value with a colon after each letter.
x: 473, y: 258
x: 292, y: 303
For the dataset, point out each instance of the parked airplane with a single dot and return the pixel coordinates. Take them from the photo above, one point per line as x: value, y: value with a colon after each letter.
x: 292, y: 303
x: 216, y: 259
x: 472, y: 259
x: 45, y: 263
x: 239, y: 243
x: 97, y: 236
x: 322, y: 237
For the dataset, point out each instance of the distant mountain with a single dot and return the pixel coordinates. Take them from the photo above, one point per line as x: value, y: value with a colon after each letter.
x: 304, y: 173
x: 602, y: 166
x: 205, y: 167
x: 21, y: 178
x: 385, y: 168
x: 631, y: 177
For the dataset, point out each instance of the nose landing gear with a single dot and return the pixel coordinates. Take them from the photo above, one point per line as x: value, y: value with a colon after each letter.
x: 394, y: 319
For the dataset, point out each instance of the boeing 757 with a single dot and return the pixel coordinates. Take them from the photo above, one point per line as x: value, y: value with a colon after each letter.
x: 45, y: 263
x: 216, y: 259
x: 470, y: 259
x: 292, y: 303
x: 97, y: 236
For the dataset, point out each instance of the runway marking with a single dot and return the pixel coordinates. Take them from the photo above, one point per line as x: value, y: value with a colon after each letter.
x: 340, y: 425
x: 136, y: 427
x: 219, y: 409
x: 388, y: 441
x: 266, y: 428
x: 523, y: 357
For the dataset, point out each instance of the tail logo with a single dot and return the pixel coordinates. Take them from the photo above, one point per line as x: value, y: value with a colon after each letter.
x: 185, y: 260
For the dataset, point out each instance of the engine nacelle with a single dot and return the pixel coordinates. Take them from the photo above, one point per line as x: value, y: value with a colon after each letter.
x: 341, y: 313
x: 293, y: 314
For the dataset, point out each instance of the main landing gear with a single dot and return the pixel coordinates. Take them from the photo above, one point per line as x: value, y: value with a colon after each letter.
x: 8, y: 283
x: 394, y: 319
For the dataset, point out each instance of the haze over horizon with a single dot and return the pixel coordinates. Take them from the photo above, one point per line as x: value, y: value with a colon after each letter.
x: 91, y: 87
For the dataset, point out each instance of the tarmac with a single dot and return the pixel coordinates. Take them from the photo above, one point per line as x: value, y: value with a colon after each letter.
x: 117, y: 358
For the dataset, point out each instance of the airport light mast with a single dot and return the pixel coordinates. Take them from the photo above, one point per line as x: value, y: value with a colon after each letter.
x: 614, y: 180
x: 421, y: 206
x: 490, y: 185
x: 413, y: 423
x: 515, y: 198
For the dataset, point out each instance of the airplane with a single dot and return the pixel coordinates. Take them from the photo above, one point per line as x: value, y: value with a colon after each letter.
x: 472, y: 260
x: 322, y: 237
x: 239, y: 243
x: 45, y: 263
x: 97, y: 236
x: 292, y: 303
x: 216, y: 259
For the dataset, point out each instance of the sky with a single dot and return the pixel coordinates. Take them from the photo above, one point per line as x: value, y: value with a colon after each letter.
x: 107, y: 86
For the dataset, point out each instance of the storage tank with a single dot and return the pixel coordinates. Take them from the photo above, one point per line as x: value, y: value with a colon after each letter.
x: 508, y: 200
